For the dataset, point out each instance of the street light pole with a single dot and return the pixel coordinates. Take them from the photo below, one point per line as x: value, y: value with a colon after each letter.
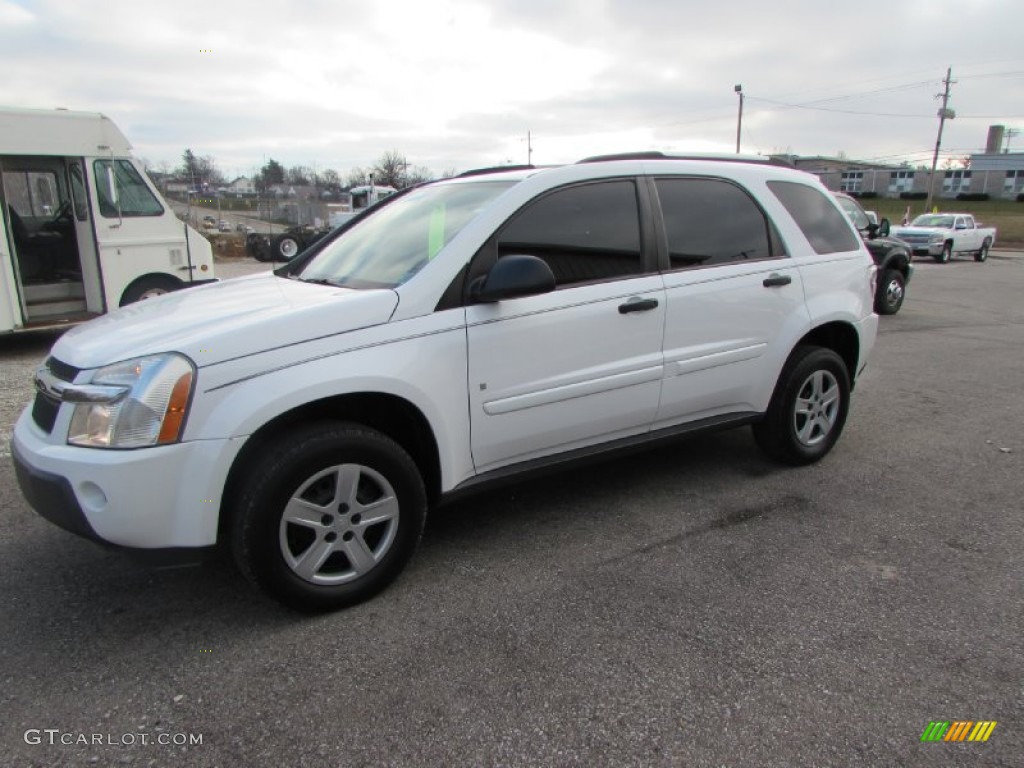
x: 739, y: 119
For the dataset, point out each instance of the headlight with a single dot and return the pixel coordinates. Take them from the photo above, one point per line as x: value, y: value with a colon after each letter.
x: 151, y: 411
x: 936, y: 238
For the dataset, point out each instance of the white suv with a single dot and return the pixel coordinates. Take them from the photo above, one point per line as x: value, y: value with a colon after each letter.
x: 458, y: 333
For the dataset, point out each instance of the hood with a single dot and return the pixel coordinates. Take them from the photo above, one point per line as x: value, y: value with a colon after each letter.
x: 220, y: 321
x: 908, y: 230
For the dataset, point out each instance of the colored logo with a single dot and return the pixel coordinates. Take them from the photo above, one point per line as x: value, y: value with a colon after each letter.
x: 958, y: 730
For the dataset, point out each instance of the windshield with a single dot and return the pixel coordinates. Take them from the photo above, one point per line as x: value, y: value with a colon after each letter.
x: 931, y: 220
x: 390, y: 246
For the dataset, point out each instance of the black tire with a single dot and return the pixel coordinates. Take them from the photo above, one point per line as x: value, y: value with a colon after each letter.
x: 285, y: 247
x: 946, y: 255
x: 304, y: 470
x: 892, y: 286
x: 261, y: 251
x: 148, y: 287
x: 791, y: 437
x: 982, y: 253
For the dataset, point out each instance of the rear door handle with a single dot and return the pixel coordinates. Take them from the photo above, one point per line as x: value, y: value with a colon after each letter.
x: 637, y: 305
x: 776, y: 280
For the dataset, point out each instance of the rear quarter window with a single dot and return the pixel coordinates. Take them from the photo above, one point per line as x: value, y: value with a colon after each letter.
x: 825, y: 228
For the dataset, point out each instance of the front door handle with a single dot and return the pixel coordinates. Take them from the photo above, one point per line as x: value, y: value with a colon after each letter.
x: 775, y: 280
x: 637, y: 305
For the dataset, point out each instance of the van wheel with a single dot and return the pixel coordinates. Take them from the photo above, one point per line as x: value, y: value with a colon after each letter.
x: 808, y: 409
x: 148, y: 287
x: 330, y: 518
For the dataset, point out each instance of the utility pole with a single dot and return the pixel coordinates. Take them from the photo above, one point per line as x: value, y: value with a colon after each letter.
x: 529, y: 148
x: 944, y: 114
x: 739, y: 120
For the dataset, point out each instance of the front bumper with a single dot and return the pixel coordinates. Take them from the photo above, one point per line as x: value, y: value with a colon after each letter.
x: 163, y: 501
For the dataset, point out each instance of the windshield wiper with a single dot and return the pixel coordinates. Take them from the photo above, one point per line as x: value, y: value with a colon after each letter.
x: 316, y: 280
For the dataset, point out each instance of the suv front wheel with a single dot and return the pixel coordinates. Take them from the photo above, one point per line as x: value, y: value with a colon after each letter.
x: 330, y: 519
x: 808, y: 408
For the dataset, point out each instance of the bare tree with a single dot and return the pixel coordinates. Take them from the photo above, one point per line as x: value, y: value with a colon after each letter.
x: 391, y: 170
x: 330, y: 178
x: 357, y: 177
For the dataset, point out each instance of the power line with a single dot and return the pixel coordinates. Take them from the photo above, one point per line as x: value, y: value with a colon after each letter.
x: 828, y: 109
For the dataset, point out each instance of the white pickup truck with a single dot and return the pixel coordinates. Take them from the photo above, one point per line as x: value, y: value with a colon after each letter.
x: 940, y: 235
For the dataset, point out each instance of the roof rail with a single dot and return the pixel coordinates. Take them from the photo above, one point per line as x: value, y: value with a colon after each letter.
x: 496, y: 169
x: 655, y: 155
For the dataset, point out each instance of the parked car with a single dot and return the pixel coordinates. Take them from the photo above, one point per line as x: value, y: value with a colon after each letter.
x: 892, y: 255
x: 941, y: 235
x: 462, y: 333
x: 223, y: 226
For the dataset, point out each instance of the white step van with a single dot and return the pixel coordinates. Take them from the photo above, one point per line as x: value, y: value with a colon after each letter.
x: 82, y: 229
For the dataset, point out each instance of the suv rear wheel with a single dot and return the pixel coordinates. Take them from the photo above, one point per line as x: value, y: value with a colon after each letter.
x: 808, y: 409
x: 331, y: 519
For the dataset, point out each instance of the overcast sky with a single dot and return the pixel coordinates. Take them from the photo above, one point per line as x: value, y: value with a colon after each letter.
x: 457, y: 84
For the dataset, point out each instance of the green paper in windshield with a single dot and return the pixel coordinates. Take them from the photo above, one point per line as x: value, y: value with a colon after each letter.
x: 435, y: 235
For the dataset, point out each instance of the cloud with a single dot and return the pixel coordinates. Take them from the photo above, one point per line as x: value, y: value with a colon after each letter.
x: 459, y: 82
x: 12, y: 15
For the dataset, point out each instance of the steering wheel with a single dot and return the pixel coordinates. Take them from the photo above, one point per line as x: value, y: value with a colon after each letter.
x: 64, y: 212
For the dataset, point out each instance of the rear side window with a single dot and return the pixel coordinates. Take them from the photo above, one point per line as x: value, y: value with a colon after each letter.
x: 133, y: 196
x: 825, y: 228
x: 710, y: 221
x: 586, y: 233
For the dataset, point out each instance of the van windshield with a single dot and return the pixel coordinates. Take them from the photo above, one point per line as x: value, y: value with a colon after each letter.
x: 391, y: 245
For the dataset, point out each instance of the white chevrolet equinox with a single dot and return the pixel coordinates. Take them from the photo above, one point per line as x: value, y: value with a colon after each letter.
x: 458, y: 333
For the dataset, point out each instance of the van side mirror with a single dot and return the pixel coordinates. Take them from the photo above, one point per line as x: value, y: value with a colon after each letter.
x: 513, y: 276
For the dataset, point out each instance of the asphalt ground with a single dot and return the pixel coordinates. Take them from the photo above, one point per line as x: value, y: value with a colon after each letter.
x: 696, y: 605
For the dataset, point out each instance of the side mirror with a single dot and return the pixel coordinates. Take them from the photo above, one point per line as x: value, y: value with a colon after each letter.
x: 884, y: 227
x: 513, y: 276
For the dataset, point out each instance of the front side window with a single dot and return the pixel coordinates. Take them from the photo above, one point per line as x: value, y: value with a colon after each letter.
x: 821, y: 222
x: 133, y: 196
x: 389, y: 246
x: 709, y: 221
x: 585, y: 233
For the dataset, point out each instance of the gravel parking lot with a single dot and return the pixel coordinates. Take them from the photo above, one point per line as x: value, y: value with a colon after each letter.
x: 695, y: 605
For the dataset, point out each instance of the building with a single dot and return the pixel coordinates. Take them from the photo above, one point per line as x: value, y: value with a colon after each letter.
x: 995, y: 172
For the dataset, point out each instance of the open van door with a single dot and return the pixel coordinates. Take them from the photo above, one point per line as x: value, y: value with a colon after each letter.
x: 10, y: 303
x: 88, y: 254
x: 43, y: 241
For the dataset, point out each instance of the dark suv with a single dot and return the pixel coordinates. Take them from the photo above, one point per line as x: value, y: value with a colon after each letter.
x: 891, y: 254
